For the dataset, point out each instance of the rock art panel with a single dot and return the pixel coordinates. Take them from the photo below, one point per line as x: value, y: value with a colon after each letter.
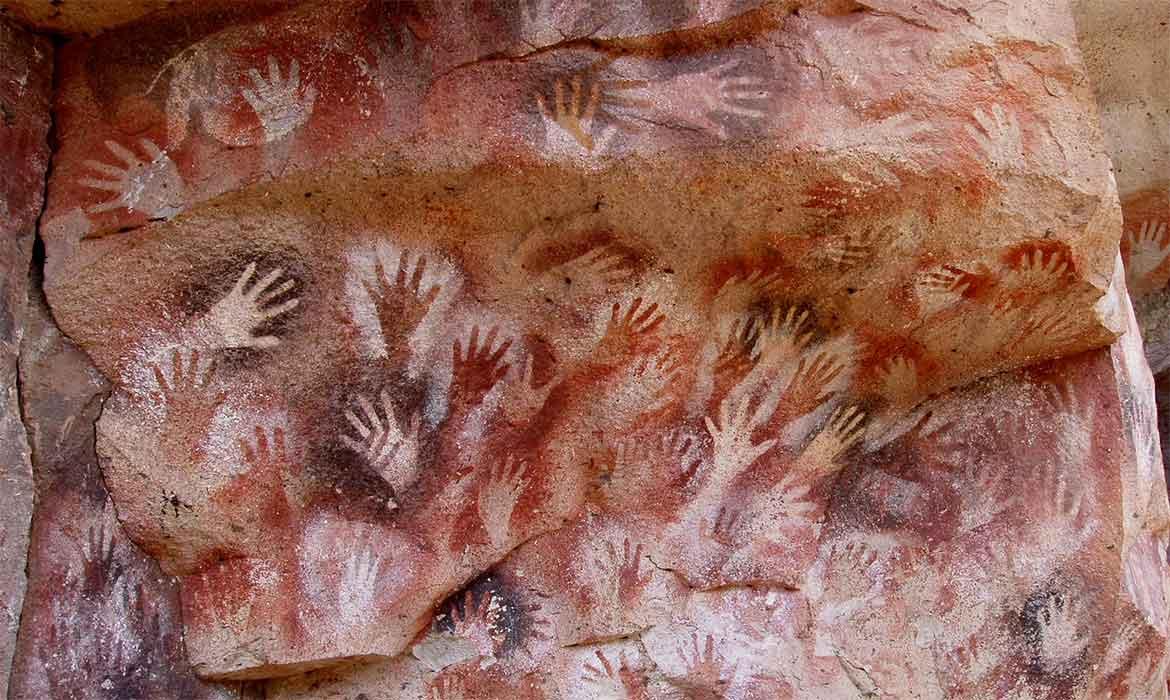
x: 874, y: 196
x: 100, y: 620
x: 557, y: 349
x: 25, y: 80
x: 1011, y: 544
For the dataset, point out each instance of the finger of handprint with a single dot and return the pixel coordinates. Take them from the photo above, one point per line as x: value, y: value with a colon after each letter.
x: 710, y: 425
x: 258, y: 81
x: 540, y: 105
x: 592, y: 104
x: 268, y: 296
x: 357, y: 424
x: 106, y: 169
x: 109, y: 205
x: 420, y: 267
x: 156, y: 154
x: 246, y: 450
x: 371, y: 415
x: 161, y: 380
x: 294, y: 73
x: 273, y: 71
x: 280, y: 308
x: 124, y: 154
x: 105, y: 185
x: 560, y: 105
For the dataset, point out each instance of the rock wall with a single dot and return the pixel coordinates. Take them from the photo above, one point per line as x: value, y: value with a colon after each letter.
x: 551, y: 349
x: 25, y: 83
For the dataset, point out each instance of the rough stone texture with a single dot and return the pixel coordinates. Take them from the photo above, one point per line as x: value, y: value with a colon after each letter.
x: 884, y: 162
x: 25, y: 80
x: 100, y: 620
x: 559, y: 349
x: 82, y: 16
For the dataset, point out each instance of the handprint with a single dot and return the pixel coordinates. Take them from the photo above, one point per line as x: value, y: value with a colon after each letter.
x: 1058, y: 639
x: 699, y: 100
x: 476, y: 621
x: 741, y: 291
x: 839, y: 434
x: 737, y: 356
x: 401, y: 301
x: 100, y: 568
x: 234, y: 319
x: 281, y: 105
x: 811, y: 383
x: 475, y: 372
x: 152, y: 187
x: 185, y: 380
x: 651, y: 381
x: 610, y: 683
x: 524, y: 397
x: 734, y: 446
x: 1147, y: 250
x: 447, y: 688
x: 392, y: 452
x: 1040, y: 270
x: 702, y: 667
x: 848, y: 250
x: 624, y: 331
x: 940, y: 288
x: 498, y: 498
x: 403, y: 59
x: 783, y: 336
x: 625, y: 567
x: 569, y: 126
x: 266, y: 453
x: 999, y: 136
x: 899, y: 378
x: 605, y: 266
x: 724, y: 529
x: 358, y: 586
x: 190, y: 407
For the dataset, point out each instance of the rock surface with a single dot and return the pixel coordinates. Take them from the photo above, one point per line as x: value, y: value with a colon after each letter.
x: 553, y: 349
x: 100, y: 621
x: 25, y: 82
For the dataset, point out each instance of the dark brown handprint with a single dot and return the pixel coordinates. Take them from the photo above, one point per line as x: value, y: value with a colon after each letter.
x: 401, y: 301
x: 477, y: 370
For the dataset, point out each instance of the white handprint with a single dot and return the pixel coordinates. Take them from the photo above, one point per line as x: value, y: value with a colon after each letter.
x: 783, y: 337
x: 358, y: 585
x: 524, y: 397
x: 734, y: 447
x: 234, y: 319
x: 999, y: 136
x: 1147, y: 250
x: 839, y: 434
x: 498, y: 498
x: 940, y: 288
x: 281, y: 105
x: 392, y: 452
x: 153, y: 187
x: 1038, y: 270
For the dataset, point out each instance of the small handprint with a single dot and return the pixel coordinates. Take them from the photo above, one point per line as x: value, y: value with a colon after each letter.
x: 475, y: 372
x: 265, y: 453
x: 734, y: 446
x: 843, y: 429
x: 525, y: 397
x: 940, y: 288
x: 899, y: 375
x: 569, y: 126
x: 848, y: 250
x: 498, y: 497
x: 476, y: 621
x: 187, y: 377
x: 1147, y: 250
x: 999, y: 136
x: 1059, y: 638
x: 625, y: 567
x: 281, y: 105
x: 610, y: 683
x: 390, y: 450
x: 723, y: 529
x: 604, y: 266
x: 702, y: 667
x: 233, y: 320
x: 783, y: 336
x: 1039, y: 270
x: 403, y: 58
x: 812, y: 382
x: 652, y: 381
x: 716, y: 91
x: 401, y: 299
x: 624, y: 331
x: 737, y: 356
x: 153, y: 187
x: 100, y: 568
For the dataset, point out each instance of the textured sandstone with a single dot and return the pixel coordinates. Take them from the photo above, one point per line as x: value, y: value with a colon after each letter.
x: 100, y: 621
x: 25, y: 79
x: 553, y: 349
